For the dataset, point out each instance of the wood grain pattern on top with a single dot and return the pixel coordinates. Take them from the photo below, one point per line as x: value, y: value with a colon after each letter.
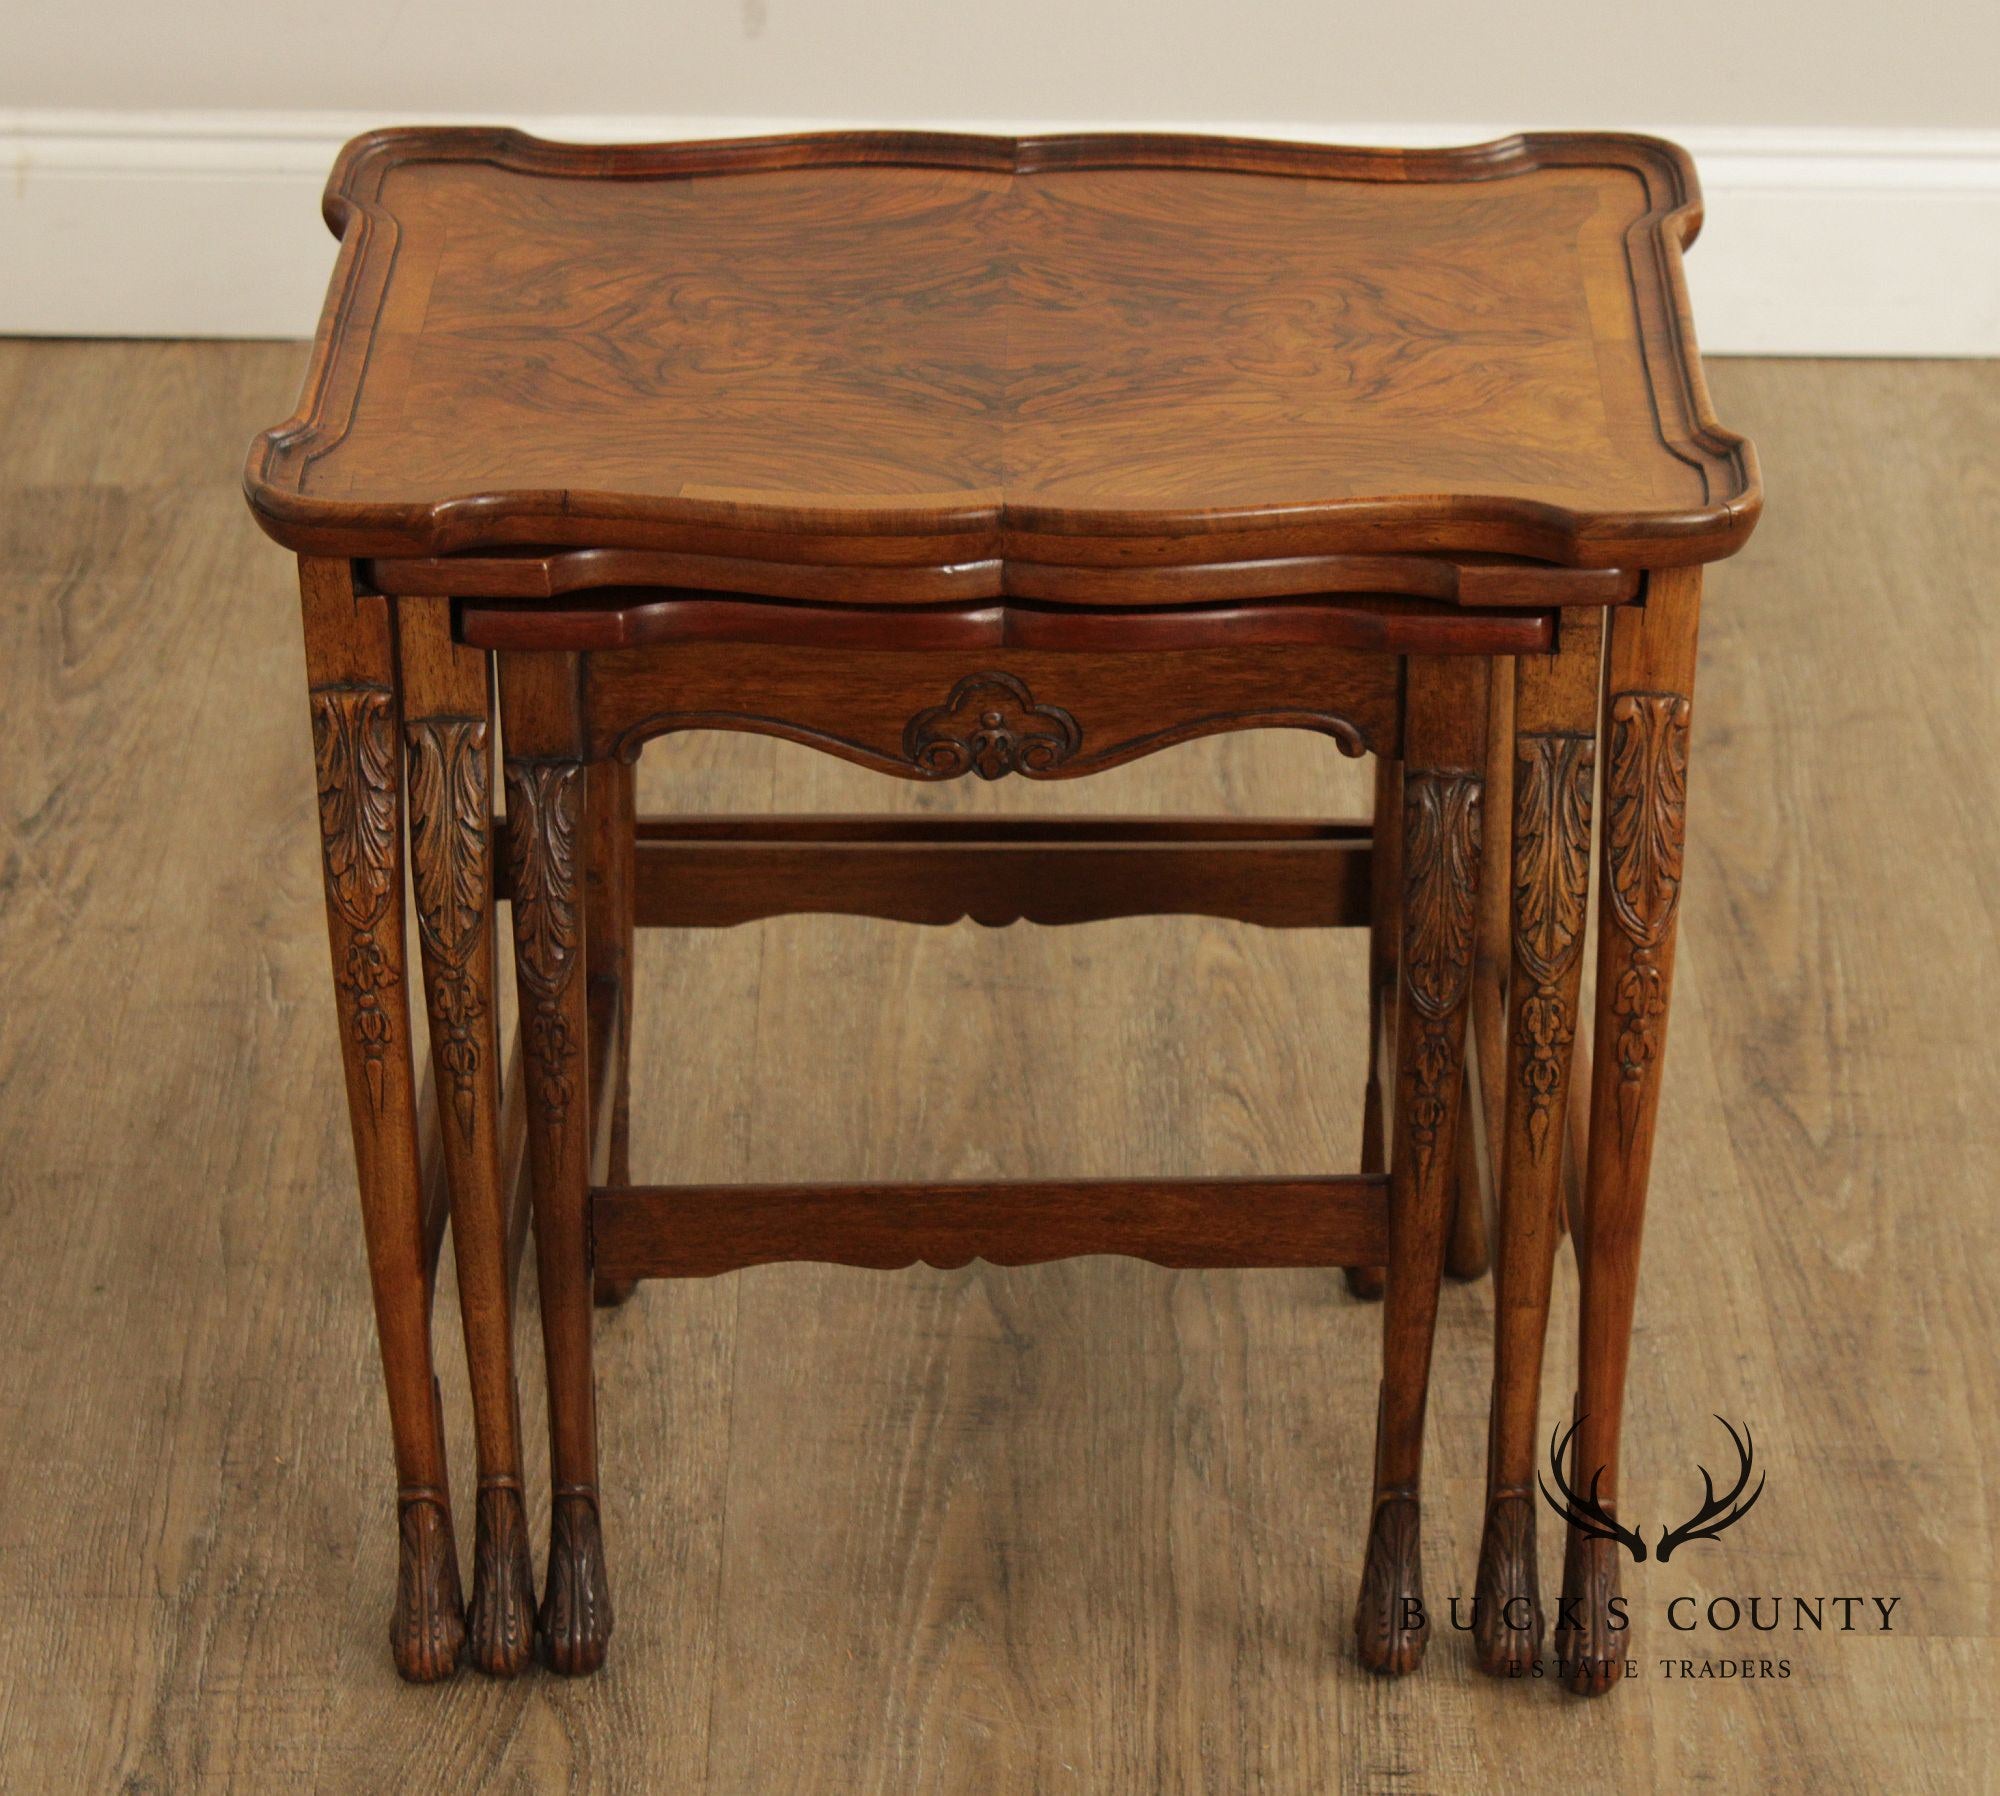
x: 923, y: 351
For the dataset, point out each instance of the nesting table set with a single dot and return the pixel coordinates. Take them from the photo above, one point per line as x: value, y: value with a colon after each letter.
x: 964, y: 455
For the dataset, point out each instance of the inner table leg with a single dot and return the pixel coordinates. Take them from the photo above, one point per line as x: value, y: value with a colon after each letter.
x: 446, y: 711
x: 608, y: 926
x: 350, y: 667
x: 1384, y: 920
x: 1648, y: 688
x: 1444, y: 748
x: 1475, y: 1195
x: 546, y: 819
x: 1553, y: 749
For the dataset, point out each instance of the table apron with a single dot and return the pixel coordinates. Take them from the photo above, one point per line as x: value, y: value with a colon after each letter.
x: 941, y: 714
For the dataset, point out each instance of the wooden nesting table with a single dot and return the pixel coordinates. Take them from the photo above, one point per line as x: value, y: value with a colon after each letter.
x: 955, y: 455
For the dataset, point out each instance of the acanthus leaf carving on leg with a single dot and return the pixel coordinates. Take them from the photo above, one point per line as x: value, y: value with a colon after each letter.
x: 427, y: 1631
x: 1592, y: 1639
x: 543, y: 799
x: 1646, y: 824
x: 1391, y: 1625
x: 574, y: 1623
x: 1441, y: 835
x: 500, y: 1621
x: 354, y: 761
x: 1551, y: 892
x: 450, y: 831
x: 1507, y: 1604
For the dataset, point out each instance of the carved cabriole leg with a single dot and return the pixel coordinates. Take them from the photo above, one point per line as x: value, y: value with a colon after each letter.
x: 1648, y: 689
x: 350, y: 667
x: 608, y: 925
x: 447, y: 734
x: 540, y: 712
x: 1552, y: 744
x: 1444, y: 750
x: 1384, y: 919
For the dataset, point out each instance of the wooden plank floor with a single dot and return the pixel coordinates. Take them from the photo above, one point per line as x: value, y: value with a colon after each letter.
x: 1086, y: 1527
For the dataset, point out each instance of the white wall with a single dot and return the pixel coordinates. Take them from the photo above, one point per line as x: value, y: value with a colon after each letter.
x: 1697, y: 62
x: 1851, y: 153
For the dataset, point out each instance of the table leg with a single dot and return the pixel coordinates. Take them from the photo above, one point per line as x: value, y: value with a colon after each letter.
x: 1384, y: 920
x: 447, y: 731
x: 350, y: 669
x: 1444, y: 751
x: 1648, y: 688
x: 608, y: 928
x: 540, y: 711
x: 1553, y: 749
x: 1475, y: 1198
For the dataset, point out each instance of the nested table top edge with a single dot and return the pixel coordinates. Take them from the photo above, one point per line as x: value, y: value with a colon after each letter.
x: 990, y: 526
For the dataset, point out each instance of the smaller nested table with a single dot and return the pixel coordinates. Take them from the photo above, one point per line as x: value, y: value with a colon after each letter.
x: 986, y: 456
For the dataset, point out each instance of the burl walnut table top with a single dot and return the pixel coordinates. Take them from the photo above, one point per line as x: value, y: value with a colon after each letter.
x: 930, y: 351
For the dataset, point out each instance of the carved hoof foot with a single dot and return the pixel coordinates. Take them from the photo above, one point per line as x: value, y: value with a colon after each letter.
x: 575, y: 1623
x: 1365, y: 1282
x: 1507, y: 1625
x: 608, y: 1294
x: 1592, y: 1638
x: 500, y: 1623
x: 1390, y: 1624
x: 427, y: 1633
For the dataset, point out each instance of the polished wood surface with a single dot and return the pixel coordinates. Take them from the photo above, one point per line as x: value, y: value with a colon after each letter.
x: 1118, y: 1559
x: 566, y: 711
x: 547, y: 857
x: 1089, y: 353
x: 351, y: 671
x: 716, y: 872
x: 1047, y: 354
x: 936, y: 715
x: 1646, y: 727
x: 692, y: 1231
x: 1137, y: 387
x: 448, y: 727
x: 611, y: 918
x: 1463, y: 580
x: 625, y: 618
x: 1438, y: 862
x: 1546, y: 764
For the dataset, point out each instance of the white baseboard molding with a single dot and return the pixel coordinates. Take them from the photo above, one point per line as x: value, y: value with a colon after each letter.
x: 1818, y: 242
